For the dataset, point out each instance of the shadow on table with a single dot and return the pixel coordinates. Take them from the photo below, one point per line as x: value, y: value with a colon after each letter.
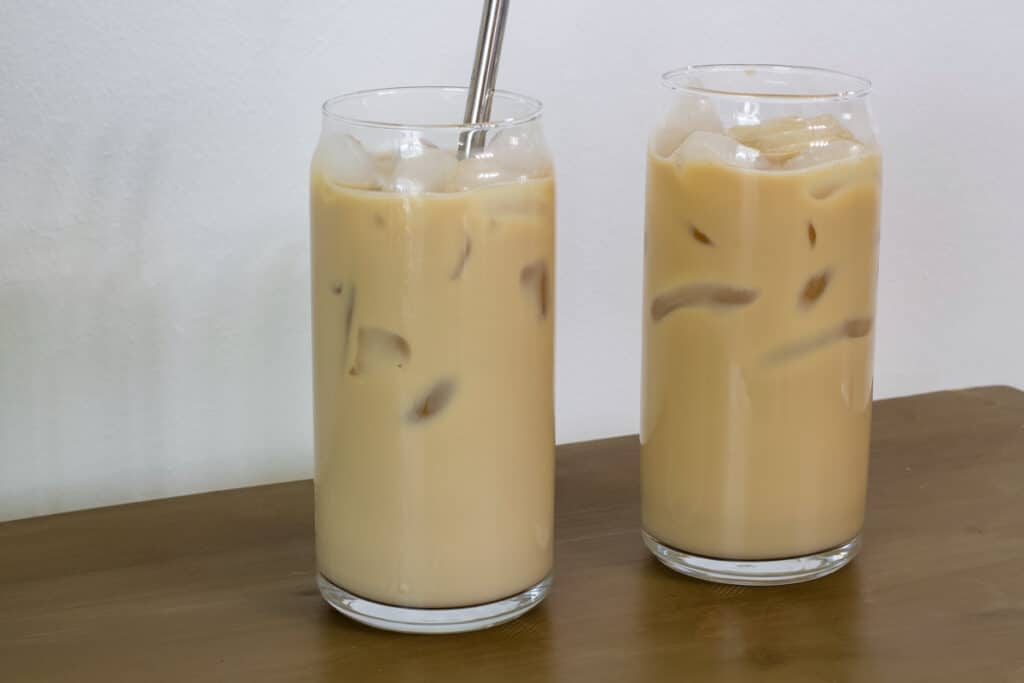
x: 707, y: 631
x: 520, y: 650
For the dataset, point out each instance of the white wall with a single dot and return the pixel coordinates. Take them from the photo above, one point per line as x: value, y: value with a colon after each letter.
x: 154, y: 316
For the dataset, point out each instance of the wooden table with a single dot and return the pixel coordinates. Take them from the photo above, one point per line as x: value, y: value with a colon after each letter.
x: 220, y: 586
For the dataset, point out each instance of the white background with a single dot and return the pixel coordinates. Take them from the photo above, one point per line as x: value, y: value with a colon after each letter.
x: 154, y: 314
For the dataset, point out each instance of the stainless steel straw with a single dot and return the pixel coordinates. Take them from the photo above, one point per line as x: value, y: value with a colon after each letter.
x: 485, y: 73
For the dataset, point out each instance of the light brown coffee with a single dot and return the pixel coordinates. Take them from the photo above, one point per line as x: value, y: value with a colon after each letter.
x: 759, y: 304
x: 433, y: 350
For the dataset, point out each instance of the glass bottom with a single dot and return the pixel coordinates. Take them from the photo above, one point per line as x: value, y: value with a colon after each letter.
x: 755, y: 572
x: 432, y: 620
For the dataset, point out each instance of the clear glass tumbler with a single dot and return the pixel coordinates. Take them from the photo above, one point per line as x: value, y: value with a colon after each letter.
x: 433, y: 336
x: 761, y: 253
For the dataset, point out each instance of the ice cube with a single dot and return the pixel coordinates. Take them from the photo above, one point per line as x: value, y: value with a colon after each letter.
x: 436, y: 399
x: 344, y: 161
x: 509, y: 156
x: 855, y: 328
x: 687, y: 114
x: 782, y: 139
x: 477, y: 171
x: 420, y: 166
x: 705, y: 146
x: 814, y: 288
x: 533, y: 279
x: 460, y: 265
x: 384, y: 168
x: 708, y: 294
x: 832, y: 177
x: 378, y: 349
x: 350, y: 311
x: 521, y: 151
x: 701, y: 236
x: 824, y: 153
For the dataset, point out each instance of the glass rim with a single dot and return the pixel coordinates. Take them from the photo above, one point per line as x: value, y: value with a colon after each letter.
x: 534, y: 108
x: 674, y: 80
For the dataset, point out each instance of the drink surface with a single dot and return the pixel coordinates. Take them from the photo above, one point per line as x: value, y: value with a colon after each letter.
x: 433, y: 329
x: 759, y: 303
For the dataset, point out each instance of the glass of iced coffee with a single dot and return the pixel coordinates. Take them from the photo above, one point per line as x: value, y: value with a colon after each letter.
x: 433, y: 331
x: 761, y: 252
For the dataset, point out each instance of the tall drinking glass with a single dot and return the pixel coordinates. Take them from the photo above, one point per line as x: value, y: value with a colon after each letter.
x: 433, y: 329
x: 761, y: 252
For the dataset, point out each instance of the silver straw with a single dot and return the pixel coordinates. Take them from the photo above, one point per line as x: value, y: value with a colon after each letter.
x: 485, y: 73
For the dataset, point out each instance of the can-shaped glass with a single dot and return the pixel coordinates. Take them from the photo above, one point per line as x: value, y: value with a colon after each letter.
x: 761, y: 258
x: 432, y: 249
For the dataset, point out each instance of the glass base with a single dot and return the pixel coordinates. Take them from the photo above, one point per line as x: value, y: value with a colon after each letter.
x: 432, y: 620
x: 755, y: 572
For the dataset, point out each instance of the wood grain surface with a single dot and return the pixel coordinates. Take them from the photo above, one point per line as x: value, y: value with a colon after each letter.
x: 220, y: 586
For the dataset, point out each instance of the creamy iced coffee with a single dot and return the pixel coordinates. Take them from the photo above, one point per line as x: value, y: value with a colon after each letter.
x: 759, y: 309
x: 432, y: 282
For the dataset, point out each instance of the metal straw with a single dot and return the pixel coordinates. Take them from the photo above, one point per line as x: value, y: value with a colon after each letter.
x: 485, y: 72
